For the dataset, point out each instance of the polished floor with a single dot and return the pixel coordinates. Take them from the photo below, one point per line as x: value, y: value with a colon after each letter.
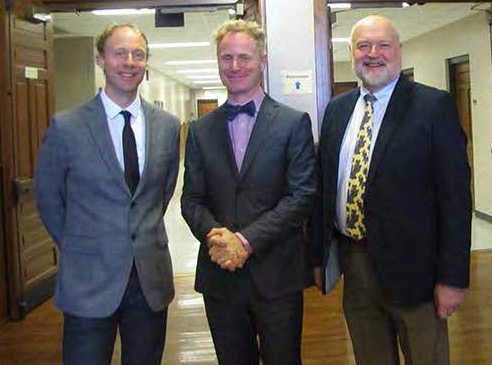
x: 36, y: 340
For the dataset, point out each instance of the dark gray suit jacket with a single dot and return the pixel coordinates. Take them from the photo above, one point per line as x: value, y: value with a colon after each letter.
x: 266, y: 201
x: 98, y: 226
x: 417, y: 205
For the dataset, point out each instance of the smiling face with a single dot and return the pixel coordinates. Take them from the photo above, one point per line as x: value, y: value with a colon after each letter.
x: 240, y: 65
x: 376, y: 52
x: 124, y: 62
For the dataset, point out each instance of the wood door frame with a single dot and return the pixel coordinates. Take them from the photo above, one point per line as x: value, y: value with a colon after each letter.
x: 5, y: 116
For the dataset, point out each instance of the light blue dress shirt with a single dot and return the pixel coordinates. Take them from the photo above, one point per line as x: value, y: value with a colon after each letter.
x: 116, y: 123
x: 348, y: 144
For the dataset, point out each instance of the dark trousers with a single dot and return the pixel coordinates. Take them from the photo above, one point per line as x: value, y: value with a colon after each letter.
x: 142, y: 331
x: 376, y: 324
x: 246, y: 327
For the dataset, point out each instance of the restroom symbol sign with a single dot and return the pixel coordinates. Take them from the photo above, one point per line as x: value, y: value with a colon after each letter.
x: 297, y: 82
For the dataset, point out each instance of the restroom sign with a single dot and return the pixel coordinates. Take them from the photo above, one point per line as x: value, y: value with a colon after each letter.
x: 298, y: 82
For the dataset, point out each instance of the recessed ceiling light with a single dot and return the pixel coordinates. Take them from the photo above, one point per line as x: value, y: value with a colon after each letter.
x: 207, y: 81
x: 340, y: 40
x: 198, y: 70
x: 179, y: 45
x: 198, y: 77
x: 189, y: 62
x: 340, y: 5
x: 123, y: 12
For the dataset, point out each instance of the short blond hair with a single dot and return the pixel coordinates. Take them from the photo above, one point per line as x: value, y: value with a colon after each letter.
x: 106, y: 33
x: 250, y: 27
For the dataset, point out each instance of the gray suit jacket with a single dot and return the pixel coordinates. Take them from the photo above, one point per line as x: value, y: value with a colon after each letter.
x: 98, y: 226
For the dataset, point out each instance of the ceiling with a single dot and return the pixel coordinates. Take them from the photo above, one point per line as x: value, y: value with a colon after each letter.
x: 412, y: 21
x: 199, y: 27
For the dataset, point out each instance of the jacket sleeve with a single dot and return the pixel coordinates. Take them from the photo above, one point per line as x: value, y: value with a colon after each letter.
x: 451, y: 176
x: 172, y: 177
x: 50, y: 182
x: 299, y: 190
x: 193, y: 201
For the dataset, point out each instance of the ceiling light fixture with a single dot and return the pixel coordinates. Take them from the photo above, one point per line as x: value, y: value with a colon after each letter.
x: 123, y: 12
x: 213, y: 87
x: 179, y: 45
x: 198, y: 70
x: 189, y: 62
x: 340, y: 40
x: 202, y: 77
x: 207, y: 81
x: 339, y: 5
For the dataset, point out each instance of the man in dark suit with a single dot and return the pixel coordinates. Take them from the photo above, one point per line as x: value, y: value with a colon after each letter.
x: 394, y: 193
x: 249, y: 184
x: 105, y: 175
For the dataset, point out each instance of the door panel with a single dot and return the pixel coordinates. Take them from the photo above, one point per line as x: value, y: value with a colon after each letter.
x: 32, y: 105
x: 461, y: 89
x: 205, y: 106
x: 4, y: 120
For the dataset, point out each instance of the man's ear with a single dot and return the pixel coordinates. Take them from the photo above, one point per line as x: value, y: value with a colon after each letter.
x: 264, y: 59
x: 100, y: 60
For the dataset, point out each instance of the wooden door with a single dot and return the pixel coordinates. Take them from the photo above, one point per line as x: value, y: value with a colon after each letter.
x: 461, y: 90
x: 4, y: 118
x: 205, y: 106
x: 33, y: 255
x: 343, y: 87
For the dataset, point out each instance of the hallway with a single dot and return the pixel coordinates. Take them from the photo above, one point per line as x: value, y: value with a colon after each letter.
x: 37, y: 339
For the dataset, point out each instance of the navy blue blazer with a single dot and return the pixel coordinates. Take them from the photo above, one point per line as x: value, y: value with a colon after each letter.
x: 417, y: 205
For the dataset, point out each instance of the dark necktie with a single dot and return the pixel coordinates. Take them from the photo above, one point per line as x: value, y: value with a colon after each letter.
x: 355, y: 226
x: 132, y: 175
x: 233, y: 110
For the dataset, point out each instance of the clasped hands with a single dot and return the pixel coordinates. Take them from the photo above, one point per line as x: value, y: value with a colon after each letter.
x: 226, y: 249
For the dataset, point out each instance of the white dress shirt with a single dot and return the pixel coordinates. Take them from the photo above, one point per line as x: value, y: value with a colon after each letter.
x: 348, y: 144
x: 116, y: 122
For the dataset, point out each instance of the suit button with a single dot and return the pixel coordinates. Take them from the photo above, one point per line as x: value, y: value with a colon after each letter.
x: 132, y: 205
x: 134, y: 236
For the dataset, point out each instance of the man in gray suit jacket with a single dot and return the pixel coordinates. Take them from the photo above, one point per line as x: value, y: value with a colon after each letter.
x: 249, y: 184
x: 106, y: 172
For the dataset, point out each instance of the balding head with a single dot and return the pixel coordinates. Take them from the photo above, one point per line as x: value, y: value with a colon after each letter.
x: 376, y: 52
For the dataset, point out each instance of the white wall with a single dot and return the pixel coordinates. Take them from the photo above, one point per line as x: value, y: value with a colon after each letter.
x: 290, y: 33
x: 427, y: 55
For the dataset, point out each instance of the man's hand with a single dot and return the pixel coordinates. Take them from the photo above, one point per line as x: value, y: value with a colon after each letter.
x: 318, y: 277
x: 447, y: 300
x: 226, y: 249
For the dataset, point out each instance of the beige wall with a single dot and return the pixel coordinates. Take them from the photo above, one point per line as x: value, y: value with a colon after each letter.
x: 74, y: 75
x: 343, y: 72
x: 175, y: 96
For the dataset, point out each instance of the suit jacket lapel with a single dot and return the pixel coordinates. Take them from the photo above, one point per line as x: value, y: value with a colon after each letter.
x: 265, y: 118
x: 340, y: 119
x: 392, y: 118
x: 220, y: 132
x: 149, y: 141
x: 97, y: 121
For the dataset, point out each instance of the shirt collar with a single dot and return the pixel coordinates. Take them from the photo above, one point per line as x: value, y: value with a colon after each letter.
x: 382, y: 95
x: 113, y: 110
x: 257, y: 99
